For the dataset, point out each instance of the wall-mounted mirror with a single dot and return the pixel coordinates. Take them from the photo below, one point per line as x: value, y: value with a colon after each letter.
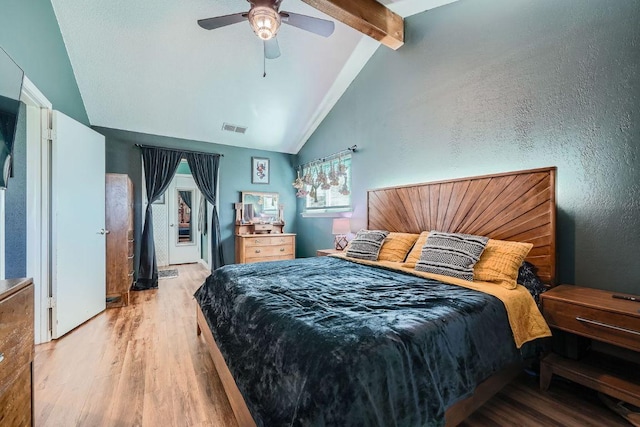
x: 185, y: 221
x: 259, y: 208
x: 11, y: 77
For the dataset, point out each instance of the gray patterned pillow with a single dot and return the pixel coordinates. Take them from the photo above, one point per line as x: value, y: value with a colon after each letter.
x: 451, y: 254
x: 367, y: 244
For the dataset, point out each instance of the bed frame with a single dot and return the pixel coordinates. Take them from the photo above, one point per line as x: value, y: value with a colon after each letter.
x: 518, y: 206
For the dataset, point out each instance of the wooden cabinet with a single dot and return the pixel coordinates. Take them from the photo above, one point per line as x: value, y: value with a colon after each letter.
x: 265, y: 247
x: 595, y: 314
x: 16, y: 352
x: 325, y: 252
x: 120, y: 239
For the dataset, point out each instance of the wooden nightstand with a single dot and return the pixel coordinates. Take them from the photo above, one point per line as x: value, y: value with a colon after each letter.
x: 595, y: 314
x: 325, y: 252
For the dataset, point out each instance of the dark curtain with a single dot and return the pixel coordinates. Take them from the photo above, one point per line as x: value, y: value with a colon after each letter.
x: 159, y: 168
x: 202, y: 216
x: 204, y: 168
x: 186, y: 198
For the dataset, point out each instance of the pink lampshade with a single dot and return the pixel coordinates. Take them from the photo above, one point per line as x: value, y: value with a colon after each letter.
x: 341, y: 226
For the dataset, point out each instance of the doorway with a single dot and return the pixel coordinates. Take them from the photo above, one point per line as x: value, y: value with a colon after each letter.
x: 169, y: 247
x: 183, y: 199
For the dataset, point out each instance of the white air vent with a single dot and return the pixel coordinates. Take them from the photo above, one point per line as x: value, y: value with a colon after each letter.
x: 234, y: 128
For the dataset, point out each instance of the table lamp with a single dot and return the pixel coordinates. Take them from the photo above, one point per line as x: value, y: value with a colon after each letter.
x: 341, y: 227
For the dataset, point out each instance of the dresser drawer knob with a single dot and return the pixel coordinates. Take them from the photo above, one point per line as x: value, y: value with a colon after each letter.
x: 257, y: 251
x: 606, y: 325
x: 258, y: 241
x: 1, y: 357
x: 281, y: 249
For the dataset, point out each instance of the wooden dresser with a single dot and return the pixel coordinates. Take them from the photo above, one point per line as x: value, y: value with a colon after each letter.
x: 120, y: 239
x: 262, y: 241
x: 595, y: 314
x: 16, y: 352
x: 265, y: 247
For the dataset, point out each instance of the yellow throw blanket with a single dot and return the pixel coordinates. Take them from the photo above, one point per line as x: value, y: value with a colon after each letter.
x: 525, y: 319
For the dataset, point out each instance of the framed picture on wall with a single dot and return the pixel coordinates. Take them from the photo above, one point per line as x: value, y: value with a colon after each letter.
x: 260, y: 170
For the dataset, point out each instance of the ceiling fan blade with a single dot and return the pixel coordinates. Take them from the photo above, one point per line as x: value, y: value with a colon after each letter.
x: 222, y: 21
x: 271, y: 48
x: 321, y: 27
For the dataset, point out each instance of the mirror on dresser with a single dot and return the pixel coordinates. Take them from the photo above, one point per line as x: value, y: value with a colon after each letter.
x: 260, y: 208
x: 259, y: 213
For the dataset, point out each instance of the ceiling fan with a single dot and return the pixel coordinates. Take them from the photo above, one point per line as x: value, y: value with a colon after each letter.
x: 265, y: 19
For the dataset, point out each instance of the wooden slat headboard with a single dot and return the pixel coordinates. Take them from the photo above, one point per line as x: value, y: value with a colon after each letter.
x: 518, y: 206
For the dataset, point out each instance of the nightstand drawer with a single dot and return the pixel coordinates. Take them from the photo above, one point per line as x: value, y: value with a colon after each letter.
x: 325, y: 252
x: 602, y: 325
x: 15, y: 402
x: 16, y: 335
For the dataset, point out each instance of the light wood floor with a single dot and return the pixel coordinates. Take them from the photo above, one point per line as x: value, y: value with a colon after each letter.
x: 136, y: 365
x: 143, y: 365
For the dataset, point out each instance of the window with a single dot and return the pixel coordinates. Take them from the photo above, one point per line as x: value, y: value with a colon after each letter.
x: 326, y: 185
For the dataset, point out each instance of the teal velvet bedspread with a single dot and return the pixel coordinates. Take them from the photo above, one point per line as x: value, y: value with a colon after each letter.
x: 327, y: 342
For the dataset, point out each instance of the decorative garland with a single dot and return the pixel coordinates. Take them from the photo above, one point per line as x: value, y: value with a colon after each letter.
x: 323, y: 174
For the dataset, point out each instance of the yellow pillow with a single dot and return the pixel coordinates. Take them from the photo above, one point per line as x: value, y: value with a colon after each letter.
x: 500, y: 262
x: 415, y: 253
x: 396, y: 246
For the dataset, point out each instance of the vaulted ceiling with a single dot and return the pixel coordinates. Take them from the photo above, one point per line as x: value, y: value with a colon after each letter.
x: 146, y: 66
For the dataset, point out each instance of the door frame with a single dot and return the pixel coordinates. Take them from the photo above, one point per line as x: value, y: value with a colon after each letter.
x: 38, y: 205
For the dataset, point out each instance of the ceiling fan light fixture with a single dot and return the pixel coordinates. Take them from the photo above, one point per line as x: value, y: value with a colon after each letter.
x: 265, y: 21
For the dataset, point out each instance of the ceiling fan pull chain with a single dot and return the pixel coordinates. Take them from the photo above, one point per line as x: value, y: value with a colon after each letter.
x: 264, y: 61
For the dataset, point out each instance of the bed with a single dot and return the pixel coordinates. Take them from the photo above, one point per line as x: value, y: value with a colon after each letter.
x: 329, y: 341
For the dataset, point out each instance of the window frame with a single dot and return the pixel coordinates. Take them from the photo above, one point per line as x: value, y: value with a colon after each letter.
x: 326, y: 165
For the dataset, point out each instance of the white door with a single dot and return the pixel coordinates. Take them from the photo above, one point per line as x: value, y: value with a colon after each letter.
x: 77, y: 225
x: 183, y: 201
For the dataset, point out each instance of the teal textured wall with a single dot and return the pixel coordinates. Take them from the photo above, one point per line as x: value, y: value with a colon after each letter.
x: 15, y: 220
x: 183, y: 168
x: 499, y: 85
x: 30, y: 34
x: 122, y: 156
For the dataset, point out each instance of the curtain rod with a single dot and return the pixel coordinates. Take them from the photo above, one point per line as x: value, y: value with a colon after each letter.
x: 181, y: 151
x: 351, y: 149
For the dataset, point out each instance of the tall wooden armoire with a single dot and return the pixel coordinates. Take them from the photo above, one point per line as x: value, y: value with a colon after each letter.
x: 120, y: 239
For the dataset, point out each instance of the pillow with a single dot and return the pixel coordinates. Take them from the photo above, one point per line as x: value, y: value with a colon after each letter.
x: 451, y: 254
x: 366, y: 244
x: 528, y: 278
x: 414, y: 255
x: 500, y: 262
x: 396, y: 246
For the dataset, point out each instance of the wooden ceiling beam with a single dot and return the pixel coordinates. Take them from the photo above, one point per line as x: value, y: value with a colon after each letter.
x: 367, y: 16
